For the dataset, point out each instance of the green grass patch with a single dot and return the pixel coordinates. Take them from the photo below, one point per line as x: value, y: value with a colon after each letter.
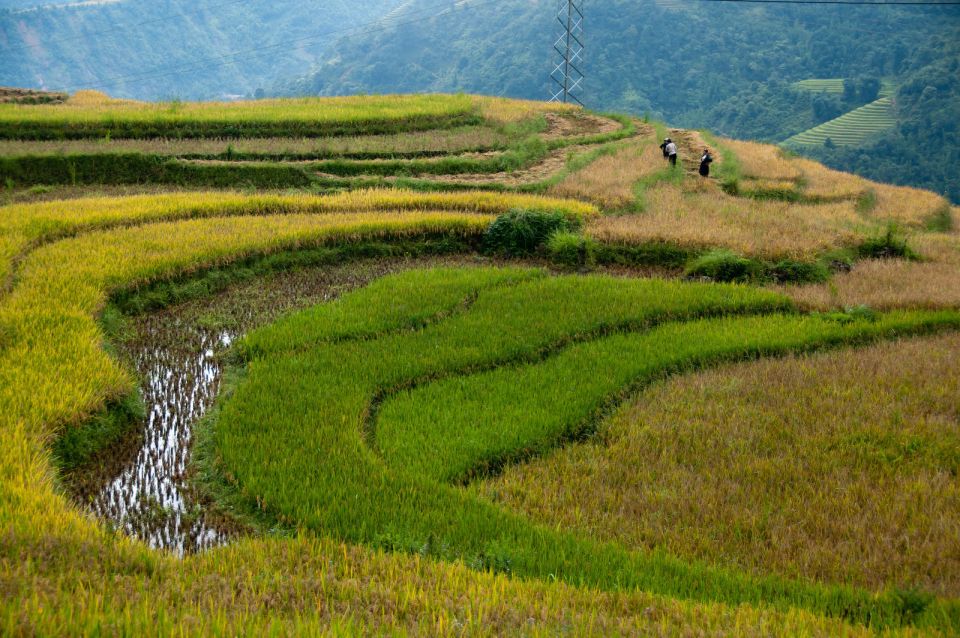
x: 729, y: 172
x: 941, y: 221
x: 78, y: 445
x: 571, y: 250
x: 408, y: 300
x: 136, y: 168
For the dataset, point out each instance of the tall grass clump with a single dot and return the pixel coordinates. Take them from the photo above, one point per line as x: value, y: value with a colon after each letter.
x: 520, y: 233
x: 571, y: 250
x: 724, y: 266
x: 941, y: 221
x: 890, y: 244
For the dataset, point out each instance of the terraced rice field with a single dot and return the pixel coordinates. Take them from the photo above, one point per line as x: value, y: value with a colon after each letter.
x: 392, y: 377
x: 850, y: 129
x: 835, y: 86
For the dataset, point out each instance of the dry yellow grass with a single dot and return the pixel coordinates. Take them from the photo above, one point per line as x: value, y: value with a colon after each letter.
x: 505, y: 111
x: 905, y: 205
x: 884, y: 285
x: 837, y: 467
x: 942, y: 248
x: 309, y: 587
x: 752, y: 185
x: 96, y: 98
x: 610, y: 181
x: 710, y: 218
x: 500, y: 110
x: 821, y: 182
x: 763, y: 161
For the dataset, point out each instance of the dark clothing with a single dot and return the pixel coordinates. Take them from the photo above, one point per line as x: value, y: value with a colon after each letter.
x: 663, y: 147
x: 705, y: 162
x: 673, y: 159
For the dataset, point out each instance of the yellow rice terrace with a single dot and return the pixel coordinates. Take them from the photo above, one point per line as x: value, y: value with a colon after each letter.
x: 458, y: 365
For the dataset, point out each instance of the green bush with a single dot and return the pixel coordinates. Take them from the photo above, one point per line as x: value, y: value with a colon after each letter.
x: 839, y: 260
x: 889, y: 245
x: 571, y: 249
x: 78, y: 445
x: 941, y: 221
x: 519, y: 233
x: 789, y: 271
x: 658, y: 254
x: 724, y: 265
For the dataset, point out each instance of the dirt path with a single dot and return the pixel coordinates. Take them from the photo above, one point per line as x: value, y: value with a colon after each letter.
x: 690, y: 147
x: 577, y: 124
x: 552, y: 164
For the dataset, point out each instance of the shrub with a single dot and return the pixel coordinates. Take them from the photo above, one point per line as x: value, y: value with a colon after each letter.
x: 792, y: 271
x: 867, y: 201
x: 839, y: 260
x: 889, y: 245
x: 941, y: 221
x: 571, y: 249
x: 519, y: 233
x: 724, y: 265
x: 852, y: 314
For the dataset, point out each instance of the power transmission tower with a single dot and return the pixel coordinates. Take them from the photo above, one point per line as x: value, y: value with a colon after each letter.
x: 567, y: 77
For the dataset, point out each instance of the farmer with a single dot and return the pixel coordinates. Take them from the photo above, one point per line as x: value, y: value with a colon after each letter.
x: 705, y: 160
x: 671, y: 151
x: 663, y: 147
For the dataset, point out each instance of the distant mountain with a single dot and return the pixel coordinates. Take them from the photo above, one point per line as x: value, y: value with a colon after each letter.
x: 729, y: 67
x: 165, y: 49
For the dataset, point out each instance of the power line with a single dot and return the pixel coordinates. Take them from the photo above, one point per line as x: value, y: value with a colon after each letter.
x: 229, y: 58
x: 122, y: 28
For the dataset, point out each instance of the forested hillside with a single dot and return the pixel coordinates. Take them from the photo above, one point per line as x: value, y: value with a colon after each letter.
x: 170, y: 48
x: 925, y: 147
x: 727, y: 67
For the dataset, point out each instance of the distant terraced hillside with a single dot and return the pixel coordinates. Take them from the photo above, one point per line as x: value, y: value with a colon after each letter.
x: 835, y: 86
x: 851, y: 128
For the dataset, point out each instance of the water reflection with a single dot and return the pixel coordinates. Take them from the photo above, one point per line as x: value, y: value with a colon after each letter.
x: 181, y: 378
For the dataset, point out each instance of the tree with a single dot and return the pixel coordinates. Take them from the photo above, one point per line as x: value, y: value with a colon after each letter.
x: 869, y: 89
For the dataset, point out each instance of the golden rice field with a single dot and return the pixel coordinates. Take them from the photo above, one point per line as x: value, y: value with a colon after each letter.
x: 709, y: 217
x: 610, y: 181
x: 91, y: 106
x: 784, y: 460
x: 877, y: 428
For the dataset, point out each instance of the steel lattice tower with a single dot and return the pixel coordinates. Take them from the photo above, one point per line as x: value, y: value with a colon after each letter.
x: 567, y: 77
